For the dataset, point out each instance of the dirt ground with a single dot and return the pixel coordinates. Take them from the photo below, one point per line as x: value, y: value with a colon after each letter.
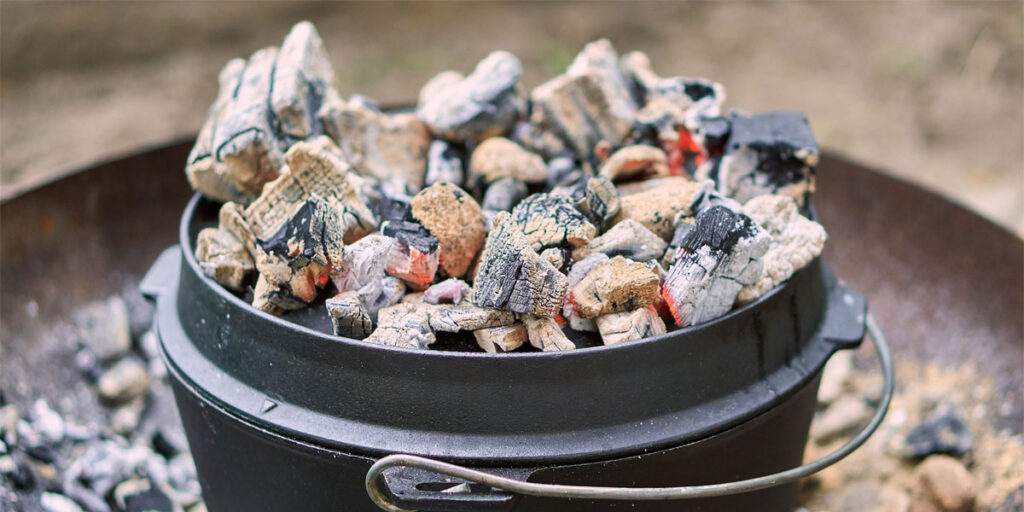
x: 932, y: 92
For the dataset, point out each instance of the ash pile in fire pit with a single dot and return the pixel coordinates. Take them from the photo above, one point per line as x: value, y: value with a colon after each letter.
x: 608, y: 200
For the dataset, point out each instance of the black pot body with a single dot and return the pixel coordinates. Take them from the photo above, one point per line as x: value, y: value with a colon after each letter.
x: 284, y: 417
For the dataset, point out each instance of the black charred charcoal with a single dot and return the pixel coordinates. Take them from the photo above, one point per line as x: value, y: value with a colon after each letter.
x: 598, y: 199
x: 716, y: 134
x: 446, y: 162
x: 22, y: 477
x: 411, y: 234
x: 41, y: 452
x: 718, y: 228
x: 311, y: 235
x: 945, y: 433
x: 708, y: 197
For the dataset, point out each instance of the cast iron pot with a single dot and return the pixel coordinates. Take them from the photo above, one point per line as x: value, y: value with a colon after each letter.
x: 283, y: 416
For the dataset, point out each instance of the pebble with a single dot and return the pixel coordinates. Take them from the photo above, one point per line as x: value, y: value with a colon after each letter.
x: 871, y: 497
x: 841, y: 418
x: 125, y: 381
x: 54, y: 502
x: 942, y: 484
x: 19, y: 474
x: 1014, y: 502
x: 125, y: 419
x: 943, y: 433
x: 104, y: 328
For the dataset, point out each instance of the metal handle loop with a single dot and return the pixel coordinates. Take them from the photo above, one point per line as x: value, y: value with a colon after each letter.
x: 374, y: 475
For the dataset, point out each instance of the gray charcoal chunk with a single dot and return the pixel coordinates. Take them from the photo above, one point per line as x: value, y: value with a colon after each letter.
x: 545, y: 334
x: 770, y: 153
x: 697, y: 95
x: 503, y: 195
x: 223, y: 258
x: 445, y: 163
x: 348, y: 316
x: 498, y: 157
x: 103, y: 328
x: 404, y: 325
x: 628, y: 238
x: 301, y: 78
x: 505, y: 338
x: 552, y: 221
x: 483, y: 104
x: 598, y: 199
x: 944, y: 432
x: 450, y: 291
x: 512, y: 276
x: 718, y: 257
x: 362, y: 268
x: 467, y: 317
x: 630, y: 325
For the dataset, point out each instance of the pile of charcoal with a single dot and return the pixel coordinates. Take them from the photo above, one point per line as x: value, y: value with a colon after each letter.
x: 608, y: 200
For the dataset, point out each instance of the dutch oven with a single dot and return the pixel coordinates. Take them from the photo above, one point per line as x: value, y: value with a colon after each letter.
x: 282, y: 415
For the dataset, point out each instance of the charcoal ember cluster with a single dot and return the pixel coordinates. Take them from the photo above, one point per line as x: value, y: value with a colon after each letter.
x: 607, y: 200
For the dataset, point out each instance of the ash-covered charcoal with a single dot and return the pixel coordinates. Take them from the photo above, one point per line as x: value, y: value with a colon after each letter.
x: 537, y: 140
x: 628, y: 238
x: 450, y: 291
x: 657, y: 124
x: 944, y: 432
x: 297, y: 260
x: 545, y: 334
x: 706, y: 198
x: 770, y: 153
x: 362, y: 268
x: 348, y: 316
x: 483, y: 104
x: 796, y: 240
x: 512, y: 276
x: 615, y: 286
x: 103, y: 328
x: 223, y: 258
x: 716, y: 259
x: 697, y: 95
x: 385, y: 146
x: 264, y: 105
x: 505, y: 338
x: 563, y: 171
x: 392, y: 291
x: 577, y: 272
x: 552, y: 221
x: 498, y: 157
x: 416, y: 264
x: 502, y: 195
x: 124, y: 382
x: 404, y: 325
x: 467, y: 317
x: 587, y: 105
x: 598, y: 199
x: 637, y: 162
x: 630, y: 325
x: 454, y: 218
x: 445, y: 162
x: 656, y: 208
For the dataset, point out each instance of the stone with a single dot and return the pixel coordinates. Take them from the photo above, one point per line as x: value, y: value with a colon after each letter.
x: 657, y: 208
x: 451, y: 291
x: 103, y: 328
x: 124, y: 382
x: 597, y: 199
x: 223, y: 258
x: 454, y: 218
x: 944, y: 432
x: 638, y: 162
x: 867, y: 496
x: 405, y: 325
x: 505, y: 338
x: 630, y: 325
x: 264, y: 105
x: 445, y: 162
x: 841, y: 418
x: 19, y: 474
x: 942, y: 484
x: 503, y: 195
x: 615, y: 286
x: 545, y: 334
x: 348, y: 316
x: 796, y: 241
x: 628, y: 238
x: 552, y: 221
x: 512, y: 276
x: 467, y: 317
x: 125, y: 419
x: 47, y: 422
x: 379, y: 144
x: 484, y: 104
x: 718, y: 257
x: 498, y: 157
x: 140, y: 495
x: 56, y: 502
x: 770, y: 153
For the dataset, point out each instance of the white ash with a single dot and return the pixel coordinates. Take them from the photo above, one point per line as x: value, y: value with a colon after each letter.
x: 630, y: 325
x: 223, y: 258
x: 545, y: 334
x: 445, y: 163
x: 103, y: 328
x: 628, y: 238
x: 512, y: 276
x: 656, y: 208
x: 537, y: 140
x: 362, y: 267
x: 56, y: 502
x: 392, y: 290
x: 504, y: 338
x: 636, y: 162
x: 716, y: 259
x: 796, y: 240
x: 498, y: 157
x: 451, y: 291
x: 770, y: 153
x: 483, y: 104
x: 412, y: 265
x: 348, y: 316
x: 302, y: 76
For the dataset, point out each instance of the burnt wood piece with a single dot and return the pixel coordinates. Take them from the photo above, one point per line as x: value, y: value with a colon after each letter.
x: 451, y: 216
x: 718, y: 257
x: 630, y: 325
x: 404, y: 325
x: 598, y: 199
x: 545, y: 334
x: 657, y: 208
x: 224, y: 259
x: 466, y: 317
x: 698, y: 96
x: 637, y: 162
x: 505, y: 338
x: 362, y: 269
x: 498, y: 157
x: 348, y: 316
x: 513, y: 276
x: 446, y: 162
x: 481, y: 105
x: 552, y: 221
x: 577, y: 272
x: 451, y: 291
x: 615, y: 286
x: 628, y: 238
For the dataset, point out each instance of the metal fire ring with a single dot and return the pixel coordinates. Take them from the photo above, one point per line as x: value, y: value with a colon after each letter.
x: 375, y: 473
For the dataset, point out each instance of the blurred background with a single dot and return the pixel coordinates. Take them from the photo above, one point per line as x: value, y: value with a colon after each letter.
x: 931, y: 92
